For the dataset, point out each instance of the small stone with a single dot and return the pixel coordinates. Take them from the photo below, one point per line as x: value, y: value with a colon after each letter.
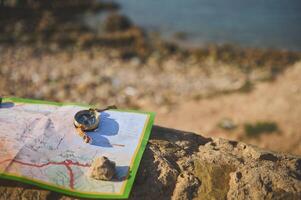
x: 102, y: 169
x: 227, y: 124
x: 130, y: 91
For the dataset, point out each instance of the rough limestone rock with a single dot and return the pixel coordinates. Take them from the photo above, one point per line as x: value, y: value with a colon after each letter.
x: 179, y: 165
x: 102, y: 169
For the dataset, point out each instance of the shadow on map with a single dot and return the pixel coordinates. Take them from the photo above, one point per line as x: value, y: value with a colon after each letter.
x: 7, y: 105
x: 122, y: 173
x: 107, y: 127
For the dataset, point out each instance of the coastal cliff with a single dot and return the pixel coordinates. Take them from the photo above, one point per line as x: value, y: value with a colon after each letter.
x: 182, y: 165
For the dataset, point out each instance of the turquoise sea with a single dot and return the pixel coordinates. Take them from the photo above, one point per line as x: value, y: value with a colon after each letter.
x: 251, y: 23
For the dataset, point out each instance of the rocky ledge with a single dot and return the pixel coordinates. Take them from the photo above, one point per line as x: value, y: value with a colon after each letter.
x: 181, y: 165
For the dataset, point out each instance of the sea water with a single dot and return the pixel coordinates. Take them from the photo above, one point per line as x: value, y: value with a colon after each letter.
x: 251, y: 23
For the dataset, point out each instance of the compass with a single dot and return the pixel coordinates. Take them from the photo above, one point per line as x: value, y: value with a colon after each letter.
x: 88, y: 120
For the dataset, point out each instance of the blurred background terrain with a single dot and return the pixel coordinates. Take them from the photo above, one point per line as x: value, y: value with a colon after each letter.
x: 226, y: 69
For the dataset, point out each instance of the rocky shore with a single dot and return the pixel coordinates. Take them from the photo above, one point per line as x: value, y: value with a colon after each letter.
x: 181, y: 165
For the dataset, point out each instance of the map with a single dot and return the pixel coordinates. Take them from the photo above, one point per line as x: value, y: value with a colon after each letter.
x: 39, y: 145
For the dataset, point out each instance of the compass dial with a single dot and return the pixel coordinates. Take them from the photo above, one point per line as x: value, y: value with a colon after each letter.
x: 87, y: 119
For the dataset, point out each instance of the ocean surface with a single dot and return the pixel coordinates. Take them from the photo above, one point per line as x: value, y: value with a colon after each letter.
x: 250, y: 23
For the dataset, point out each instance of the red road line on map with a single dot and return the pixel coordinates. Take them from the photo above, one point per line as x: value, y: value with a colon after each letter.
x: 66, y: 163
x: 71, y: 180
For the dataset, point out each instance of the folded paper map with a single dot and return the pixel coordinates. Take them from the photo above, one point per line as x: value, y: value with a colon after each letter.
x: 39, y: 145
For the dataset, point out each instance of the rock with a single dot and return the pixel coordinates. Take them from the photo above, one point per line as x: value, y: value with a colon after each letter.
x: 227, y: 124
x: 181, y: 165
x: 102, y: 169
x: 186, y: 186
x: 116, y: 22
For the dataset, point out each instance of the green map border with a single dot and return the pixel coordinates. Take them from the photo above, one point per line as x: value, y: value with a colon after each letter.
x: 132, y: 172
